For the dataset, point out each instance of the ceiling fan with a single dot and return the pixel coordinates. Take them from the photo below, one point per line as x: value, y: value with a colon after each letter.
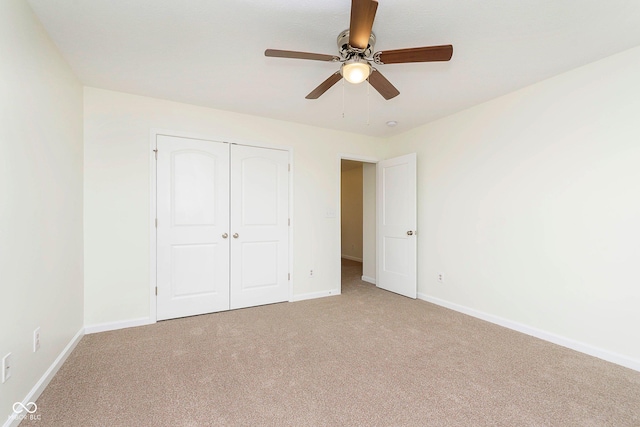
x: 355, y: 46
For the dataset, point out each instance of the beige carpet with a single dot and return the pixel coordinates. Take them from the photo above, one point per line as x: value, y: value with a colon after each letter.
x: 365, y: 358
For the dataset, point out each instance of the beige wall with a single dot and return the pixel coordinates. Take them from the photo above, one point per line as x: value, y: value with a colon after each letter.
x: 40, y: 200
x: 529, y: 205
x: 351, y: 213
x: 117, y: 191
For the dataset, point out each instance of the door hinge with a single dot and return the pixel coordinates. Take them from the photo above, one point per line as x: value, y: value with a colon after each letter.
x: 156, y: 153
x: 156, y: 222
x: 289, y: 221
x: 289, y: 167
x: 156, y: 291
x: 289, y: 276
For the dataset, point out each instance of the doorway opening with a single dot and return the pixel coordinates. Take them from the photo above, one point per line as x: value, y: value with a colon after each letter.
x: 357, y: 222
x: 389, y: 221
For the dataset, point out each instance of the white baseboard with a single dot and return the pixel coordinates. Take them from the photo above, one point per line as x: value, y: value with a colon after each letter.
x: 369, y: 279
x: 314, y: 295
x: 352, y: 258
x: 112, y: 326
x: 14, y: 419
x: 609, y: 356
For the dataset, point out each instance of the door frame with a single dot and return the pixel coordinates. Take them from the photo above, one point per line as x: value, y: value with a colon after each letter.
x: 153, y: 242
x: 357, y: 158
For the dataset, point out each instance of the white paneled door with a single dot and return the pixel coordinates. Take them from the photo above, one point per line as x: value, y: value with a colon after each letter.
x: 397, y: 218
x: 193, y: 218
x: 259, y: 226
x: 222, y: 234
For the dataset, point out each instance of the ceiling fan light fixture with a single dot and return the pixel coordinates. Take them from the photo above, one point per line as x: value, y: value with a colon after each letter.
x: 355, y: 71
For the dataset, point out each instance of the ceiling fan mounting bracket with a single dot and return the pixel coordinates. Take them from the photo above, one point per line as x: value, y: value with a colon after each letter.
x: 348, y: 52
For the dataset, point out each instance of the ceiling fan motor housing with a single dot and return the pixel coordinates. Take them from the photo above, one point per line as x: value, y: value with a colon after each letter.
x: 347, y: 52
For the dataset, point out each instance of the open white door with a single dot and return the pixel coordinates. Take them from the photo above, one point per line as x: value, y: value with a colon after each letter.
x: 396, y: 216
x: 193, y: 227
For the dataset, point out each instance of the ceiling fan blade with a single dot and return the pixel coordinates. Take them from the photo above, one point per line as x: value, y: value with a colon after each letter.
x: 363, y: 12
x: 382, y: 85
x: 325, y: 86
x: 415, y: 54
x: 275, y: 53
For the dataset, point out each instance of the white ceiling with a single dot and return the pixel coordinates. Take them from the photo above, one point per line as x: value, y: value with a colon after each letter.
x: 211, y: 52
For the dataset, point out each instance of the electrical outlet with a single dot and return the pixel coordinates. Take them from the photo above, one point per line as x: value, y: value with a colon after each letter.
x: 311, y: 274
x: 36, y: 339
x: 6, y: 367
x: 441, y: 277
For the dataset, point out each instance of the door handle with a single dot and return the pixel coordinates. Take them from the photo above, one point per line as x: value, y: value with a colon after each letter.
x: 225, y: 235
x: 236, y: 235
x: 409, y: 233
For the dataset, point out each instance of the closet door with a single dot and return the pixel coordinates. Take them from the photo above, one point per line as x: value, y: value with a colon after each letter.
x: 193, y: 227
x: 259, y: 226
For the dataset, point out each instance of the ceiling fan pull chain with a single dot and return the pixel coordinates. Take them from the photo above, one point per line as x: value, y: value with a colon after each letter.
x: 343, y: 98
x: 368, y: 103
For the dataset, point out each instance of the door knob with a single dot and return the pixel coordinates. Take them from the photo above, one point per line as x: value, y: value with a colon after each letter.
x: 235, y: 235
x: 225, y: 235
x: 409, y: 233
